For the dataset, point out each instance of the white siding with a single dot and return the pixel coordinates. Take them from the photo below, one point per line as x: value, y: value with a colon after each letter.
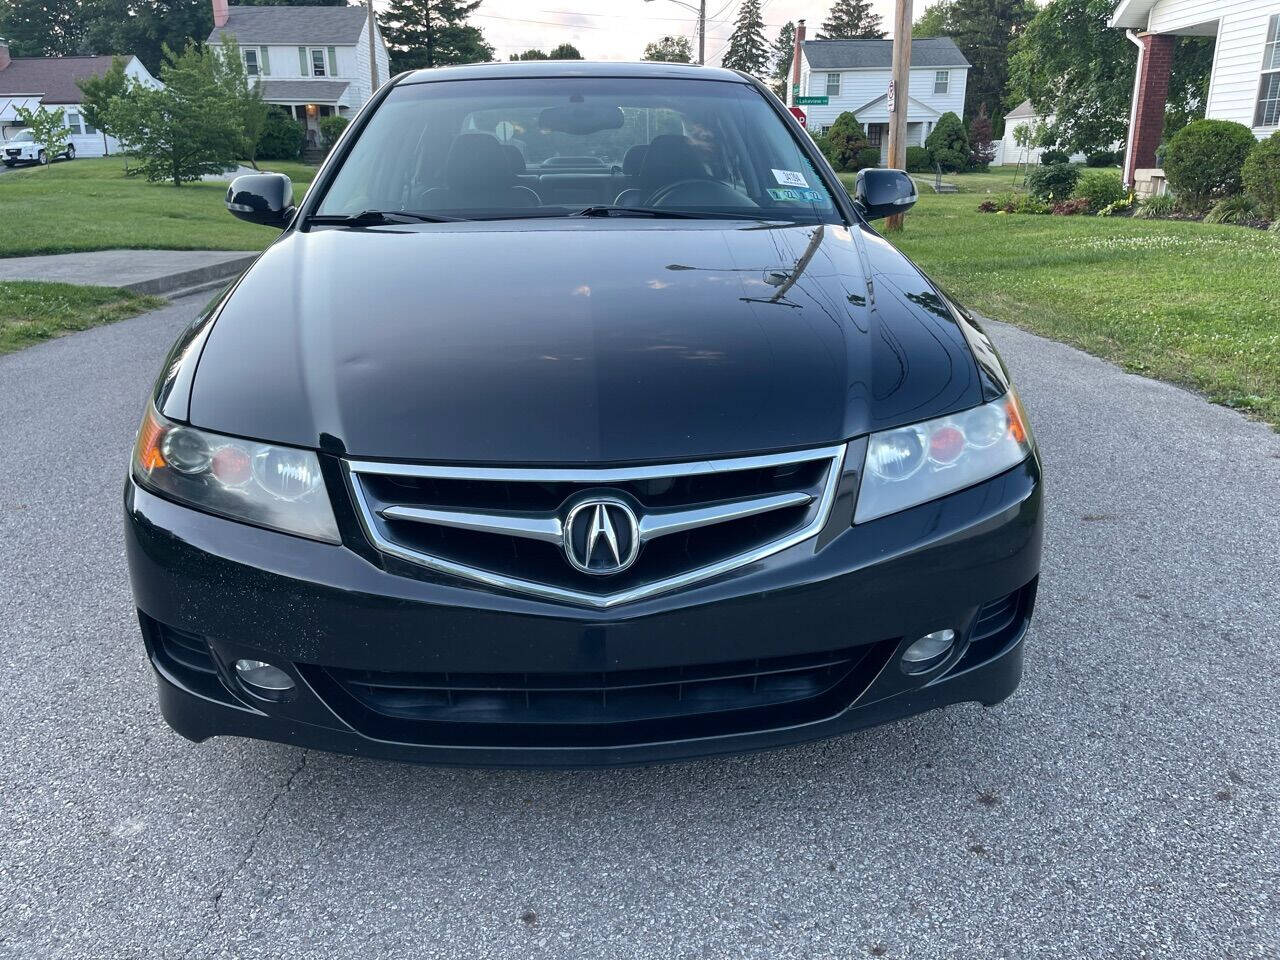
x: 360, y: 86
x: 859, y: 87
x: 1237, y: 62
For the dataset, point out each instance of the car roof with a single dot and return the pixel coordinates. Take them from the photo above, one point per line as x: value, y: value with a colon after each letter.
x: 527, y: 69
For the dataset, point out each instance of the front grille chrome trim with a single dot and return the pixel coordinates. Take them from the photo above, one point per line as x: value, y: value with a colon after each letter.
x: 539, y: 527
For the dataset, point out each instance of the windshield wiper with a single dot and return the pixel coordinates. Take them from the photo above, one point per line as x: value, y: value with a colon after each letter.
x: 657, y: 212
x: 375, y: 218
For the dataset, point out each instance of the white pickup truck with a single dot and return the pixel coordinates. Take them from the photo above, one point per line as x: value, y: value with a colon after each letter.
x: 22, y: 148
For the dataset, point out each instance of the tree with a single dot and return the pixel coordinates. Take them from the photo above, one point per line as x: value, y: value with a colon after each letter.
x: 670, y: 50
x: 48, y: 128
x: 246, y: 97
x: 186, y: 129
x: 1069, y: 63
x: 845, y: 140
x: 530, y: 55
x: 433, y: 33
x: 981, y: 150
x: 984, y: 30
x: 44, y: 28
x: 783, y: 51
x: 145, y: 27
x: 932, y: 22
x: 97, y: 94
x: 948, y: 143
x: 748, y: 49
x: 566, y: 51
x: 851, y: 20
x: 291, y: 3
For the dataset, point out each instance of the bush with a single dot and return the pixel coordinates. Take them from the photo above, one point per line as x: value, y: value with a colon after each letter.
x: 948, y: 144
x: 918, y: 160
x: 1260, y: 175
x: 1053, y: 182
x: 846, y: 139
x: 1155, y: 208
x: 282, y: 137
x: 867, y: 157
x: 1204, y: 160
x: 1123, y: 205
x: 1099, y: 188
x: 1072, y: 207
x: 1237, y: 209
x: 981, y: 148
x: 1102, y: 158
x: 331, y: 127
x: 1012, y: 203
x: 1055, y: 156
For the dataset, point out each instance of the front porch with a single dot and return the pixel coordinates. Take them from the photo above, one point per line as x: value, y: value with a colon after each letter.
x: 308, y: 101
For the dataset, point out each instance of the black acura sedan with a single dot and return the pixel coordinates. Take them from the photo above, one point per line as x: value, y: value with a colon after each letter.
x: 579, y: 416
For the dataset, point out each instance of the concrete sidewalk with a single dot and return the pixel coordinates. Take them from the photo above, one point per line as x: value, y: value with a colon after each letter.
x: 141, y: 271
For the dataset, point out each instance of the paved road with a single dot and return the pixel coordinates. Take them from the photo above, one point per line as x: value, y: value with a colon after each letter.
x: 1125, y: 803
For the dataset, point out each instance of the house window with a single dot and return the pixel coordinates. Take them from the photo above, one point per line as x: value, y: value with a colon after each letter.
x: 1268, y: 112
x: 250, y: 62
x: 317, y: 63
x: 72, y: 121
x: 875, y: 134
x: 833, y: 84
x: 941, y: 82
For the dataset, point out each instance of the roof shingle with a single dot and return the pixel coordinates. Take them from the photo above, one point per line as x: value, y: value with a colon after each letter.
x: 53, y: 77
x: 878, y: 54
x: 292, y: 25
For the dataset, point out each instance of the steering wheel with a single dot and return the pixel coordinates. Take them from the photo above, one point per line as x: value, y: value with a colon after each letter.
x: 664, y: 193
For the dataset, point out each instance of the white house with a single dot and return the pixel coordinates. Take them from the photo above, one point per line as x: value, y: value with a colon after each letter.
x: 50, y: 82
x: 853, y: 75
x: 1244, y: 84
x: 1007, y: 148
x: 313, y: 61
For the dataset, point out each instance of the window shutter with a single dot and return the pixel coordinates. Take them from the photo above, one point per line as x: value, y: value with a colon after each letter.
x: 333, y: 61
x: 302, y: 62
x: 264, y: 61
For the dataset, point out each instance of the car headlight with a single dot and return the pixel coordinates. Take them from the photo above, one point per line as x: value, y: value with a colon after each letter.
x: 912, y: 465
x: 259, y: 483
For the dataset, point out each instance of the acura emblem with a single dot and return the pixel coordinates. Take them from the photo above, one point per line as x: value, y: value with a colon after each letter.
x: 601, y: 536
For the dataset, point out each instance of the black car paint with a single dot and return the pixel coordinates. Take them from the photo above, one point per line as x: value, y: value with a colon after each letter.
x: 618, y: 341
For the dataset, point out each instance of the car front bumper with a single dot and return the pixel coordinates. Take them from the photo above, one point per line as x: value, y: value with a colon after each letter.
x: 210, y: 591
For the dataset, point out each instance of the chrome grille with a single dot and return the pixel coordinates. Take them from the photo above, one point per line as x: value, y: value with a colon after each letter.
x: 506, y: 527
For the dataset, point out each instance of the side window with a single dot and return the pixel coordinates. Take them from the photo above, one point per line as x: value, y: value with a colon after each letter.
x: 1268, y: 111
x: 941, y: 81
x: 317, y: 63
x: 833, y: 84
x: 250, y: 62
x: 73, y: 123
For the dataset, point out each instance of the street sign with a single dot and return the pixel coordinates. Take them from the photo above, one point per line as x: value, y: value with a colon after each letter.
x: 811, y: 101
x: 890, y: 98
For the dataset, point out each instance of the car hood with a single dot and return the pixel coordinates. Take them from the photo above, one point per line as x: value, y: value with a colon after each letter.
x: 586, y: 341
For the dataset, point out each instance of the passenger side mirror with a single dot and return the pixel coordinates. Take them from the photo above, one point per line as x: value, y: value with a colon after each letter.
x: 881, y: 193
x: 265, y: 198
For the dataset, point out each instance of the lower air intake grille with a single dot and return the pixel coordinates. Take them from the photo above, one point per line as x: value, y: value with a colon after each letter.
x: 185, y: 658
x: 600, y: 709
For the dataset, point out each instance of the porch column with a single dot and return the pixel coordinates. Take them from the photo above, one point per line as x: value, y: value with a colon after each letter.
x: 1150, y: 91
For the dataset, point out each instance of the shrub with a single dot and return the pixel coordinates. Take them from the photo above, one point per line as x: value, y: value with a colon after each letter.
x: 1072, y: 207
x: 918, y: 159
x: 1099, y: 188
x: 1120, y: 206
x: 867, y: 157
x: 1012, y: 203
x: 1155, y: 208
x: 981, y: 149
x: 845, y: 139
x: 282, y: 137
x: 1102, y: 158
x: 1055, y: 156
x: 331, y: 127
x: 1053, y: 182
x: 1261, y: 175
x: 948, y: 144
x: 1204, y: 160
x: 1238, y: 209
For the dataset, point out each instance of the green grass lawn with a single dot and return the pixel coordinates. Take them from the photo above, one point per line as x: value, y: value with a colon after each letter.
x: 90, y: 204
x: 31, y: 312
x: 1190, y: 303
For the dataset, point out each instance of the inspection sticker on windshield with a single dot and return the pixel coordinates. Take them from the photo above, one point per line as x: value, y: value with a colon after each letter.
x: 806, y: 195
x: 790, y: 178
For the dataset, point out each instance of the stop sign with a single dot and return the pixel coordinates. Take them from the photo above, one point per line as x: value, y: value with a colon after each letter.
x: 798, y: 114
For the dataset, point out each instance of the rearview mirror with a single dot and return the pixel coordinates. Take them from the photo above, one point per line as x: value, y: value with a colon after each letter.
x: 265, y: 198
x: 581, y: 119
x: 881, y: 193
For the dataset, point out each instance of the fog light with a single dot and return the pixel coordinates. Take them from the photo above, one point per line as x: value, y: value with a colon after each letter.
x: 263, y: 678
x: 928, y: 650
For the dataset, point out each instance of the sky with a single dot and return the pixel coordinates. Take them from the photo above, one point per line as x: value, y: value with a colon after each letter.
x: 619, y: 29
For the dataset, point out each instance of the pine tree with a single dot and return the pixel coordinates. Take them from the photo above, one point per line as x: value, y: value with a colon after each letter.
x: 748, y: 49
x: 783, y: 50
x: 984, y: 30
x: 433, y: 33
x: 852, y: 20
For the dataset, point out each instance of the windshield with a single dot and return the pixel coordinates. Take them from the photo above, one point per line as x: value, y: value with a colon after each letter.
x: 23, y: 136
x: 553, y: 146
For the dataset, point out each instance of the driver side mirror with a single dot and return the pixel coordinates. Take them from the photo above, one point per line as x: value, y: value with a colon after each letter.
x: 881, y: 193
x: 263, y: 198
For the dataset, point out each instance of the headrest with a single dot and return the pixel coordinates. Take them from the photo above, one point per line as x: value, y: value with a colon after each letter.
x: 671, y: 157
x: 633, y: 159
x: 515, y: 159
x: 477, y: 160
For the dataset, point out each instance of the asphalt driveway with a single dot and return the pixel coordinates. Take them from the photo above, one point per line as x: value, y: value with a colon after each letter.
x: 1124, y: 803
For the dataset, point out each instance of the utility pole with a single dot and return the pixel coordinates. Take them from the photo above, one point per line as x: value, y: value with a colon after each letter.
x: 901, y: 85
x: 701, y: 11
x: 373, y: 52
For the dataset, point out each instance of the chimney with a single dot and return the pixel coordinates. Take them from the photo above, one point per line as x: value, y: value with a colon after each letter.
x: 4, y: 53
x: 795, y: 58
x: 220, y: 13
